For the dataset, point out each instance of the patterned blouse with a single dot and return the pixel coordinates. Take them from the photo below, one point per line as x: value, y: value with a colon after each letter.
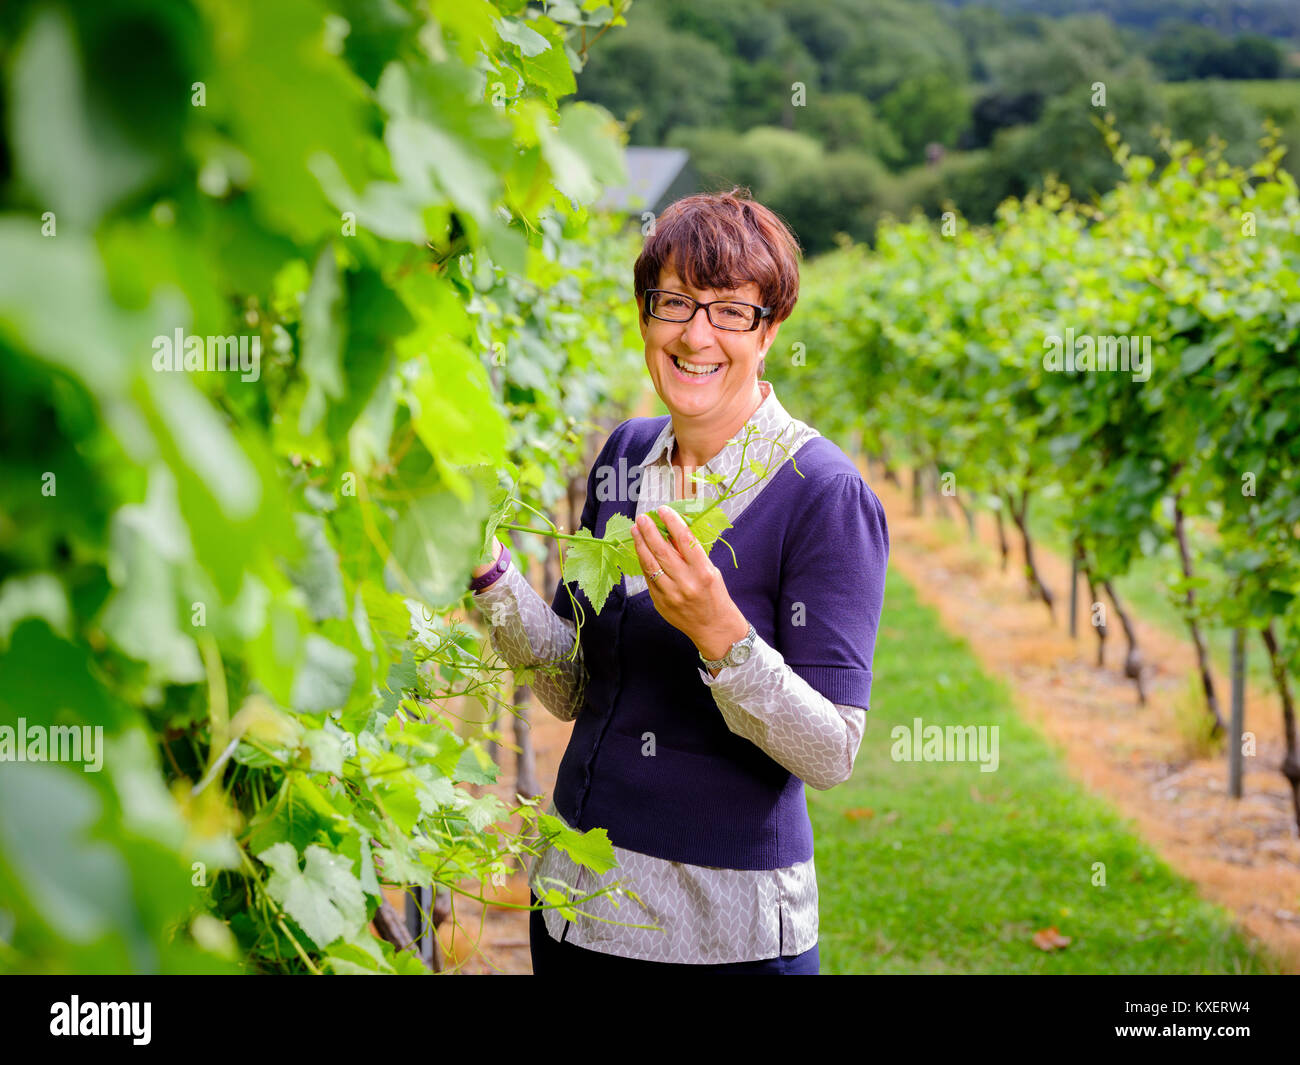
x: 700, y: 914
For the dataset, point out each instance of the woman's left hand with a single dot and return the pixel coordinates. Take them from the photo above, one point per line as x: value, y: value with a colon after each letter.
x: 690, y: 594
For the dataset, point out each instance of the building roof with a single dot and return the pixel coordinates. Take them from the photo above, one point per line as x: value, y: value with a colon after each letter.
x: 651, y: 173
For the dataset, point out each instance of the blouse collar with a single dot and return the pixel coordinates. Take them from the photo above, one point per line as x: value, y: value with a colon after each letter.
x: 771, y: 423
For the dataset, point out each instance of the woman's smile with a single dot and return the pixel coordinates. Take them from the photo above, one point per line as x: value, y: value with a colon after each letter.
x: 695, y: 372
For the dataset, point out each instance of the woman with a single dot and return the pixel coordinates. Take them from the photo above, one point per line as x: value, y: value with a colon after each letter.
x: 706, y: 693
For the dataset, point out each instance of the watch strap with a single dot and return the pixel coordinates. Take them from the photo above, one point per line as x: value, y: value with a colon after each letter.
x: 502, y: 564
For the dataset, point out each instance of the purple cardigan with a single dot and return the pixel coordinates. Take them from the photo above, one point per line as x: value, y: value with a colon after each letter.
x: 812, y: 552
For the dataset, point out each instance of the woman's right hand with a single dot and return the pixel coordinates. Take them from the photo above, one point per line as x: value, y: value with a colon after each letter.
x: 478, y: 571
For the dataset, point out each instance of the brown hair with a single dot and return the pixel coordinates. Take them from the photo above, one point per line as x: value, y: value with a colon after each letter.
x: 723, y: 240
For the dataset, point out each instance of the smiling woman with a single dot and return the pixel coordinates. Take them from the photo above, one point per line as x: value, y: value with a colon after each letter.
x: 702, y: 702
x: 727, y: 248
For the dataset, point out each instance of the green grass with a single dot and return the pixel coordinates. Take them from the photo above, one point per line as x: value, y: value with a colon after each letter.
x: 899, y: 895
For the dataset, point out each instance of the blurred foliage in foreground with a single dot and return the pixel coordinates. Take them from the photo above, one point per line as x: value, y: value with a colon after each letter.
x: 251, y: 577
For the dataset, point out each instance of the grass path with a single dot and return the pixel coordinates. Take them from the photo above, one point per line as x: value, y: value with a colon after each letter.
x: 928, y: 867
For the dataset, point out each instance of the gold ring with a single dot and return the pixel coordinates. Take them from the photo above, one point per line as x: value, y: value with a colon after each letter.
x: 656, y: 573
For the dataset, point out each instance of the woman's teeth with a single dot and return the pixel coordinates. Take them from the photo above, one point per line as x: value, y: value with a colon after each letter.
x: 696, y: 371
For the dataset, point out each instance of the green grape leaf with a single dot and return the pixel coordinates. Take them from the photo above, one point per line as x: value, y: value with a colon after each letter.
x: 66, y: 148
x: 142, y: 616
x: 369, y: 881
x: 475, y: 766
x: 559, y: 900
x: 453, y: 411
x: 435, y: 544
x: 618, y: 532
x: 438, y: 792
x: 326, y: 751
x: 550, y: 70
x: 325, y: 898
x: 359, y: 958
x: 325, y: 677
x: 317, y: 572
x: 1194, y: 357
x: 36, y: 595
x: 583, y: 153
x: 400, y: 800
x: 599, y: 564
x: 707, y: 522
x: 591, y: 849
x: 324, y: 327
x: 498, y: 498
x: 398, y: 868
x: 530, y: 42
x: 363, y: 954
x: 70, y: 876
x: 593, y: 566
x: 484, y: 811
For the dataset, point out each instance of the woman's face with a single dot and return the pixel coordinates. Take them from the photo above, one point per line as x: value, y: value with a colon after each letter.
x: 727, y: 393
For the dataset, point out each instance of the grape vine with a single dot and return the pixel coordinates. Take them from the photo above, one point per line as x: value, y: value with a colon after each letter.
x: 936, y: 348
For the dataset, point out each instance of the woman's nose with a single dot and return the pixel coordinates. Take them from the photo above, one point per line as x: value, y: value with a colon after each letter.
x: 699, y: 331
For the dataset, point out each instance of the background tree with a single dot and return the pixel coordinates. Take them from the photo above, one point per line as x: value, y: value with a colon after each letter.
x: 930, y: 108
x: 845, y: 122
x: 657, y: 79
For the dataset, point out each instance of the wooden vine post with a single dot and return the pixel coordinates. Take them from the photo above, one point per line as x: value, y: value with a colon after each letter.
x: 1238, y: 712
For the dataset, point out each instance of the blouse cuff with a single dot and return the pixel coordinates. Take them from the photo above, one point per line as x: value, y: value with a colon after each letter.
x: 499, y: 591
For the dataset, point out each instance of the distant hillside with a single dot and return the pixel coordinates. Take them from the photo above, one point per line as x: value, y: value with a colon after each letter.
x: 837, y: 112
x: 1274, y: 18
x: 1279, y: 100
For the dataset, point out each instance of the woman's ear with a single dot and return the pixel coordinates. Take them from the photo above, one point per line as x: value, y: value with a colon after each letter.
x: 768, y: 339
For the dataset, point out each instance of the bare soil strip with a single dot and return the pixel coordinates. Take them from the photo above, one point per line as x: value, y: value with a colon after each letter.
x: 1242, y: 853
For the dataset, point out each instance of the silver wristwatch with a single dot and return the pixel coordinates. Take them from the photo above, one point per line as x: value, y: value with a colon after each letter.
x: 740, y: 652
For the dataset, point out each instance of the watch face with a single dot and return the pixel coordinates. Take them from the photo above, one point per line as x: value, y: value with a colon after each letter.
x: 741, y: 653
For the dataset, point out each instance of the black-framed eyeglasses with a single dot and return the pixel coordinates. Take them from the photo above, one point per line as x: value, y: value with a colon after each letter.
x: 724, y: 314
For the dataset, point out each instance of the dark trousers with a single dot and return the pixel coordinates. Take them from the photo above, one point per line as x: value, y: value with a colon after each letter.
x: 551, y: 957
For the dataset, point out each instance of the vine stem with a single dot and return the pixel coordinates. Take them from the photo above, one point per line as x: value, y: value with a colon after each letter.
x: 218, y: 702
x: 217, y: 765
x: 297, y: 946
x: 541, y: 532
